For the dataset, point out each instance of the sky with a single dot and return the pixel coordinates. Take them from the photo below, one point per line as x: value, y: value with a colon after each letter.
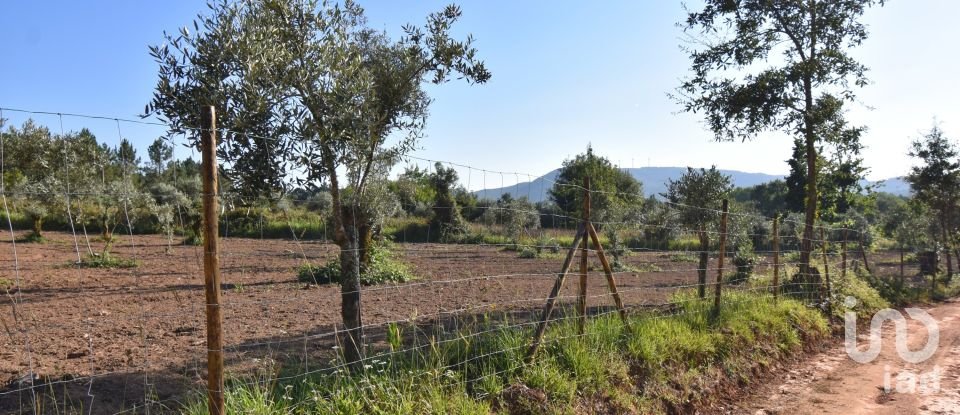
x: 565, y: 75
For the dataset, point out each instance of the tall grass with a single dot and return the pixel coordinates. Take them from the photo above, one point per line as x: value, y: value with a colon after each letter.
x: 660, y: 363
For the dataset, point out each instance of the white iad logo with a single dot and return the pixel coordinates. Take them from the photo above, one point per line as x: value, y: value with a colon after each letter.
x: 907, y: 381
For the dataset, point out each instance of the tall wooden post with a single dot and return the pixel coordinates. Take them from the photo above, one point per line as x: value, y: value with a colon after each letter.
x: 843, y: 255
x: 720, y: 256
x: 902, y: 275
x: 582, y: 293
x: 863, y: 254
x: 776, y: 256
x: 211, y: 263
x: 826, y: 265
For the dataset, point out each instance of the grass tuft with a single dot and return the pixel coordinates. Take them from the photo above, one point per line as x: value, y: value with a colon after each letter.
x: 108, y: 260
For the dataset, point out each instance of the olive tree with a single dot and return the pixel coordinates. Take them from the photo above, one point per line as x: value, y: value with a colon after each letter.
x: 697, y: 197
x: 34, y: 163
x: 309, y: 84
x: 611, y: 188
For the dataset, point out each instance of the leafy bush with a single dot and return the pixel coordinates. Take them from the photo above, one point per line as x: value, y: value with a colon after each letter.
x: 384, y: 268
x: 528, y: 253
x: 744, y: 260
x: 683, y: 257
x: 108, y: 260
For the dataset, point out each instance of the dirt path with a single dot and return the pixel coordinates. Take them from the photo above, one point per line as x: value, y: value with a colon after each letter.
x: 833, y: 383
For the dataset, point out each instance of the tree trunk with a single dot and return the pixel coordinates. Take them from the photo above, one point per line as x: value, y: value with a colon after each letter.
x: 350, y: 296
x: 365, y: 241
x: 704, y: 259
x: 946, y: 246
x: 38, y: 227
x: 106, y: 232
x: 902, y: 276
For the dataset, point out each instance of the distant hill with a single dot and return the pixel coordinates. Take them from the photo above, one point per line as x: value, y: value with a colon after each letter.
x: 895, y: 185
x: 654, y: 181
x: 653, y: 178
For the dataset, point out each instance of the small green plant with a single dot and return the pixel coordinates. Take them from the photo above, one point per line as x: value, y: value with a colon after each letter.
x: 108, y: 260
x: 193, y: 239
x: 744, y: 261
x: 383, y: 268
x: 528, y: 253
x: 32, y: 238
x: 683, y: 257
x: 6, y: 284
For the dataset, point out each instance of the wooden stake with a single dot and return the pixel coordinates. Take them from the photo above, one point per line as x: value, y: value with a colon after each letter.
x: 720, y: 256
x: 608, y: 270
x: 582, y: 292
x: 211, y: 263
x: 863, y: 253
x: 776, y: 256
x: 552, y: 298
x: 826, y: 266
x: 843, y: 255
x: 902, y: 275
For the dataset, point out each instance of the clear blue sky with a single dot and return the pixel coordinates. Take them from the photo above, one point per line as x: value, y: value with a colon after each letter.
x: 564, y: 74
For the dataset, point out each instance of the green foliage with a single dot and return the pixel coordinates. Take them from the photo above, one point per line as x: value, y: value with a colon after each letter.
x: 768, y: 198
x: 744, y: 261
x: 108, y: 260
x: 384, y: 268
x: 446, y: 212
x: 613, y: 188
x: 698, y: 196
x: 743, y: 90
x: 657, y: 365
x: 517, y: 217
x: 864, y: 289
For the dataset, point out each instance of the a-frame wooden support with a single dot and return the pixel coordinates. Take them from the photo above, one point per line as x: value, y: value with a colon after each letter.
x: 580, y: 242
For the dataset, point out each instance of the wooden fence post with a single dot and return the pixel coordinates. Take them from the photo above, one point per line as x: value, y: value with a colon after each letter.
x: 582, y: 292
x: 826, y: 264
x: 776, y: 256
x: 843, y: 255
x: 902, y: 275
x: 863, y: 254
x: 211, y: 263
x: 720, y: 256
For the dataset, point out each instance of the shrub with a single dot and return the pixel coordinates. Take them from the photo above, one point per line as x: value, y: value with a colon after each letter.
x: 744, y: 260
x: 384, y: 268
x: 528, y: 253
x: 107, y: 260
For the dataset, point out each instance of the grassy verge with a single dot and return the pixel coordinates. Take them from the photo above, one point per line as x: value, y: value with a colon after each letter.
x: 661, y: 363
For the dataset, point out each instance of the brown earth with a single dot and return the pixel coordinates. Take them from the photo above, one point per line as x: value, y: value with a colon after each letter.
x: 113, y: 339
x: 100, y: 335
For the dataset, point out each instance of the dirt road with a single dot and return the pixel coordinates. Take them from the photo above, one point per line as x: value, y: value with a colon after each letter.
x: 833, y: 383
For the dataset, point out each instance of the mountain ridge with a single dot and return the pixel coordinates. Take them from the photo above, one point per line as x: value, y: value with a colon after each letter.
x: 654, y: 182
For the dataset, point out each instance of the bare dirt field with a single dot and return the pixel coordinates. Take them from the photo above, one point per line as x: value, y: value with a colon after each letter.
x: 102, y: 334
x: 111, y: 338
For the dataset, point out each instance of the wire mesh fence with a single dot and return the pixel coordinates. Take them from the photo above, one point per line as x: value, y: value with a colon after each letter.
x: 114, y: 322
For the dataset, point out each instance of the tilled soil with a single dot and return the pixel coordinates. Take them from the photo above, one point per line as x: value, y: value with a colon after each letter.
x: 110, y: 339
x: 114, y: 339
